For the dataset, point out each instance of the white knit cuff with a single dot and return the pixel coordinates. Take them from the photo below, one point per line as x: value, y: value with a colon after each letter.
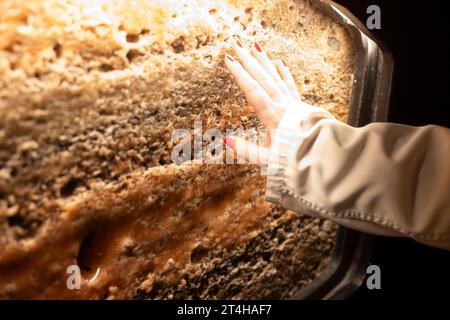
x: 295, y: 125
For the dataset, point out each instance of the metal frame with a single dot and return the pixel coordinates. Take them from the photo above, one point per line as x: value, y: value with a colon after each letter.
x: 369, y: 102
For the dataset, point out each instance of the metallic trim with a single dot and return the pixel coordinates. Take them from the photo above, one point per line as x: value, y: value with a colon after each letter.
x: 369, y: 102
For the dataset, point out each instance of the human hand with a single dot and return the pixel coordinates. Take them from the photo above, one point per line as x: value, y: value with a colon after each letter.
x: 269, y: 88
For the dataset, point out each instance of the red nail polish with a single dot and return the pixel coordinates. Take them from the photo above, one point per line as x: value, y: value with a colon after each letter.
x: 258, y: 48
x: 229, y: 142
x: 239, y: 43
x: 230, y: 58
x: 284, y: 63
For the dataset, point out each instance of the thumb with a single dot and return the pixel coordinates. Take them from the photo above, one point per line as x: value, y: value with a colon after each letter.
x: 251, y: 152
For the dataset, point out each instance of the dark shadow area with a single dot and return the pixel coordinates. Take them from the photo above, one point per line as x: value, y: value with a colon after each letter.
x: 418, y: 33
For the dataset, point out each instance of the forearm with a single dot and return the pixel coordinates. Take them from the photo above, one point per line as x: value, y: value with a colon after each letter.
x: 385, y: 179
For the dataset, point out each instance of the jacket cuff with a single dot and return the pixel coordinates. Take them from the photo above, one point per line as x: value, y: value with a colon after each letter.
x: 295, y: 125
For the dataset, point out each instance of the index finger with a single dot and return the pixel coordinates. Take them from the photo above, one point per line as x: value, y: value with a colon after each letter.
x: 255, y: 94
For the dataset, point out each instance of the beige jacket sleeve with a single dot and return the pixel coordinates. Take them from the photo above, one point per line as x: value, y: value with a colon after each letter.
x: 384, y: 179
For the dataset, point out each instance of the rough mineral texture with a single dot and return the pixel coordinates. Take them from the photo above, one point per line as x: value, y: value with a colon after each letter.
x: 90, y: 93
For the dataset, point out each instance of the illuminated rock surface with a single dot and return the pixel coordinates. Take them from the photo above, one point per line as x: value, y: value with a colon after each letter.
x: 90, y: 92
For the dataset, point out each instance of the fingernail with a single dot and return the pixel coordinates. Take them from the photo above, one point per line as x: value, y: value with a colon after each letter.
x: 257, y: 46
x: 229, y: 142
x: 282, y: 60
x: 239, y: 43
x: 229, y: 58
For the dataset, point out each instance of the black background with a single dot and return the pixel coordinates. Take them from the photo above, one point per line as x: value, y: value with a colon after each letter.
x: 417, y: 32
